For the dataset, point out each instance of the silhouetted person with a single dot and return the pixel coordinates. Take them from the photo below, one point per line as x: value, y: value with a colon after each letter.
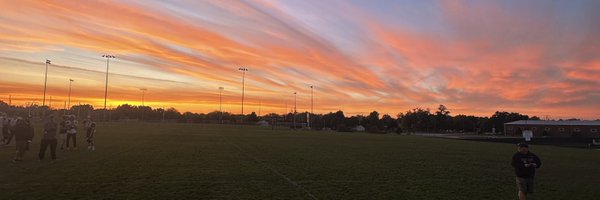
x: 63, y: 132
x: 23, y: 135
x: 11, y: 122
x: 49, y: 139
x: 90, y: 131
x: 72, y: 133
x: 525, y: 164
x: 3, y: 128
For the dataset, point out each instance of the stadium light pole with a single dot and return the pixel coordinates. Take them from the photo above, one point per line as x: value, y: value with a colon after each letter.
x: 244, y: 70
x: 312, y: 102
x: 143, y: 93
x: 294, y: 121
x: 69, y: 100
x: 108, y: 57
x: 259, y: 105
x: 221, y: 104
x: 45, y: 81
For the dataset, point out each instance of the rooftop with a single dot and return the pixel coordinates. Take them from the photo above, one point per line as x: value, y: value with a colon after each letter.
x: 551, y: 122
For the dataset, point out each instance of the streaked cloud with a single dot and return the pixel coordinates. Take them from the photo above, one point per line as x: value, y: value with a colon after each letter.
x: 476, y: 57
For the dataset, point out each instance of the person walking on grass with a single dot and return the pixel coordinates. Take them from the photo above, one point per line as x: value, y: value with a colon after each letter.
x: 525, y: 164
x: 63, y: 126
x: 49, y: 139
x: 23, y: 135
x: 72, y: 133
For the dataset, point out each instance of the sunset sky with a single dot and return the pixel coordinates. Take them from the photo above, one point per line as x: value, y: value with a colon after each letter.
x: 535, y: 57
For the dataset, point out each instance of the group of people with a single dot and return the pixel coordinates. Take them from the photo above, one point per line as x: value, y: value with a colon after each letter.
x: 22, y: 130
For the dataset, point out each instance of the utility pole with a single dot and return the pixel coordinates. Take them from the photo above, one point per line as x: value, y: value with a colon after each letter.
x: 45, y: 82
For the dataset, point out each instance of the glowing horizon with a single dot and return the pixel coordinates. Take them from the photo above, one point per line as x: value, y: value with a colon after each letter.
x: 476, y: 57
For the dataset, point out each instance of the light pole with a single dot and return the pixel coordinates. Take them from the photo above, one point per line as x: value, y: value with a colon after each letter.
x: 244, y: 70
x: 142, y: 108
x: 45, y: 82
x: 294, y: 121
x: 221, y: 104
x: 69, y: 101
x: 311, y: 106
x: 143, y: 93
x: 259, y: 105
x: 108, y: 57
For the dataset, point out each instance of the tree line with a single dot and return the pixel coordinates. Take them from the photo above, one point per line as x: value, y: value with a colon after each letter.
x: 439, y: 120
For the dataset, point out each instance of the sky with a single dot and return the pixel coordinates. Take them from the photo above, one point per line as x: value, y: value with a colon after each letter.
x: 475, y: 57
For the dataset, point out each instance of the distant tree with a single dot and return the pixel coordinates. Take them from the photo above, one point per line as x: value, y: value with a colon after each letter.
x: 442, y: 119
x: 464, y: 123
x: 251, y: 118
x: 498, y: 119
x: 4, y: 106
x: 172, y: 114
x: 389, y: 123
x: 334, y: 120
x: 124, y: 111
x: 417, y: 119
x: 372, y: 122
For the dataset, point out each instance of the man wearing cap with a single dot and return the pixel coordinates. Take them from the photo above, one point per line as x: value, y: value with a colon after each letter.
x: 525, y: 164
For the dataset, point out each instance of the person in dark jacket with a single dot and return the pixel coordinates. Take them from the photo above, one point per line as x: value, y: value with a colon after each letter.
x: 23, y: 135
x: 525, y: 164
x: 63, y: 132
x: 49, y: 139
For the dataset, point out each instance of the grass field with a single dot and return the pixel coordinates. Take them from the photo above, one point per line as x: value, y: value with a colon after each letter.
x: 184, y: 161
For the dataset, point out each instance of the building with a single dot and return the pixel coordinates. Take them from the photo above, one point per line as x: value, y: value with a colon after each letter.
x: 541, y: 128
x: 359, y: 128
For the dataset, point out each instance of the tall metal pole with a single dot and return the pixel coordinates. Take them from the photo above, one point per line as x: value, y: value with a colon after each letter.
x: 163, y: 114
x: 69, y: 101
x: 311, y: 99
x: 294, y: 121
x: 311, y: 106
x: 142, y: 108
x: 108, y: 57
x: 259, y: 106
x: 244, y: 70
x: 45, y: 82
x: 221, y: 104
x: 143, y: 93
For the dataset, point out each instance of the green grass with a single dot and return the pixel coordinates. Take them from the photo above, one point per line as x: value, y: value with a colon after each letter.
x: 181, y: 161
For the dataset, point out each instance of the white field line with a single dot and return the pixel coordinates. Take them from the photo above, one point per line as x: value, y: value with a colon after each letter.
x: 264, y: 164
